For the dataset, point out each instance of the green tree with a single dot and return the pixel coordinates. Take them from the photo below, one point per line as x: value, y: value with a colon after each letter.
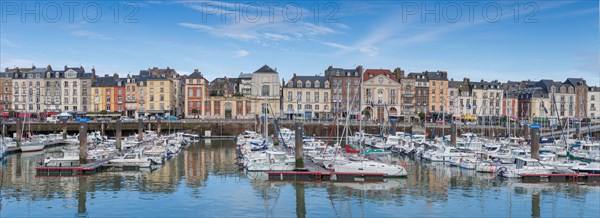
x: 195, y: 112
x: 421, y: 116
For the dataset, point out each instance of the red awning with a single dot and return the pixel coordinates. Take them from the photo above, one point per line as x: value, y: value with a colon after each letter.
x: 50, y: 113
x: 25, y: 115
x: 4, y: 114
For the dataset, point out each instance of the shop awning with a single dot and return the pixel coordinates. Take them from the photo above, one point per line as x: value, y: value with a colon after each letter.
x: 4, y: 114
x: 25, y: 115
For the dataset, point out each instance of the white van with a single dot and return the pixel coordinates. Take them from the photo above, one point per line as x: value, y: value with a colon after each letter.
x: 52, y: 119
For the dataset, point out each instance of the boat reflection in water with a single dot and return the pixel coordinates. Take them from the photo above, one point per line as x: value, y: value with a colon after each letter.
x: 204, y: 181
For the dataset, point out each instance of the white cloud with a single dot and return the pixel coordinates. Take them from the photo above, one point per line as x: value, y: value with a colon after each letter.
x: 196, y: 26
x: 90, y: 35
x: 369, y: 50
x: 267, y: 30
x: 241, y: 53
x: 337, y: 45
x: 5, y: 42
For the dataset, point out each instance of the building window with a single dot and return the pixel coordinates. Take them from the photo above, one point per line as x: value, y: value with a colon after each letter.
x: 265, y: 90
x: 307, y: 96
x: 289, y: 94
x: 299, y: 96
x: 191, y: 92
x: 326, y: 97
x: 317, y: 96
x: 198, y: 93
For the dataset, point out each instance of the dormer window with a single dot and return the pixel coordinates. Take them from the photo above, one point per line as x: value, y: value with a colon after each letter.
x: 299, y: 84
x: 48, y: 75
x: 290, y: 84
x: 317, y: 84
x: 57, y: 74
x: 326, y: 84
x: 307, y: 84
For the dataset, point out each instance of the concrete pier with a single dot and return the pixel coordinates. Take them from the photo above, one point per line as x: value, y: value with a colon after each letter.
x: 525, y: 132
x: 118, y: 134
x: 535, y: 142
x: 19, y: 132
x: 140, y: 129
x: 453, y: 134
x: 299, y: 146
x: 158, y: 126
x: 83, y: 146
x: 64, y: 129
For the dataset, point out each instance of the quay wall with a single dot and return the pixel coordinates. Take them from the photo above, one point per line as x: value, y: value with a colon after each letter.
x: 232, y: 128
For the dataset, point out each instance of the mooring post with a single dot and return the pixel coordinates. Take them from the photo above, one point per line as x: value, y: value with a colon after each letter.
x: 64, y: 130
x: 19, y: 132
x: 140, y: 129
x: 102, y: 129
x: 158, y: 126
x: 453, y: 134
x: 299, y: 154
x: 300, y: 200
x: 535, y: 141
x: 526, y: 132
x: 118, y: 130
x: 83, y: 146
x: 3, y: 130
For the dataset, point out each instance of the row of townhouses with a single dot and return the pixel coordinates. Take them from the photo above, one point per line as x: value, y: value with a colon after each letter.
x: 374, y: 94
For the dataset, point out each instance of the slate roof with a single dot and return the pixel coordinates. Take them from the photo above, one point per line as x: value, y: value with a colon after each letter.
x: 197, y: 75
x: 536, y: 92
x: 265, y: 69
x: 107, y: 81
x: 455, y: 84
x: 342, y: 72
x: 575, y: 81
x: 312, y: 80
x: 485, y: 85
x: 421, y: 77
x: 436, y: 75
x: 245, y: 76
x: 546, y: 84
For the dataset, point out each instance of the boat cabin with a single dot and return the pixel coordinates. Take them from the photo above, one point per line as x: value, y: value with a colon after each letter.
x: 526, y: 162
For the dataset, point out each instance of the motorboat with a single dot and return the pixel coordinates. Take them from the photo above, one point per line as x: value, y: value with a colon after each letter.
x: 62, y: 159
x: 522, y: 166
x: 131, y: 160
x: 589, y: 168
x: 370, y: 167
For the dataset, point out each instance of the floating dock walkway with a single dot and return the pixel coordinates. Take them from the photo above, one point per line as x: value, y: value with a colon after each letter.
x: 85, y: 169
x: 568, y: 178
x: 319, y: 174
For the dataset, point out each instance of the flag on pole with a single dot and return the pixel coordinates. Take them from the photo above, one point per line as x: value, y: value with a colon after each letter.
x: 469, y: 106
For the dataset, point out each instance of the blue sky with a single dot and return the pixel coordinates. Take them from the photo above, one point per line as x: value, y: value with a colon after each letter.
x: 542, y: 40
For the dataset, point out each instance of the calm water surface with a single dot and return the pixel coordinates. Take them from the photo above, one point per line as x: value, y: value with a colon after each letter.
x: 203, y: 181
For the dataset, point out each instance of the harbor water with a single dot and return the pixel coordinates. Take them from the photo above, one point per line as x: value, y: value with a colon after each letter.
x: 203, y: 181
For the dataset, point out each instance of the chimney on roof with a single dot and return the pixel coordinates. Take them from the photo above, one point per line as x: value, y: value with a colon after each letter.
x: 33, y: 66
x: 66, y: 67
x: 359, y: 69
x: 196, y: 71
x: 466, y: 80
x: 17, y: 70
x: 6, y: 69
x: 80, y: 68
x: 116, y: 77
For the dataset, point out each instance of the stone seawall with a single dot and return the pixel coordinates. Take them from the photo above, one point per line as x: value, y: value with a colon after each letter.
x: 234, y: 128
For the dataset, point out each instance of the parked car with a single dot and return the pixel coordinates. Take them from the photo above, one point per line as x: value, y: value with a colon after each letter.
x: 126, y: 119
